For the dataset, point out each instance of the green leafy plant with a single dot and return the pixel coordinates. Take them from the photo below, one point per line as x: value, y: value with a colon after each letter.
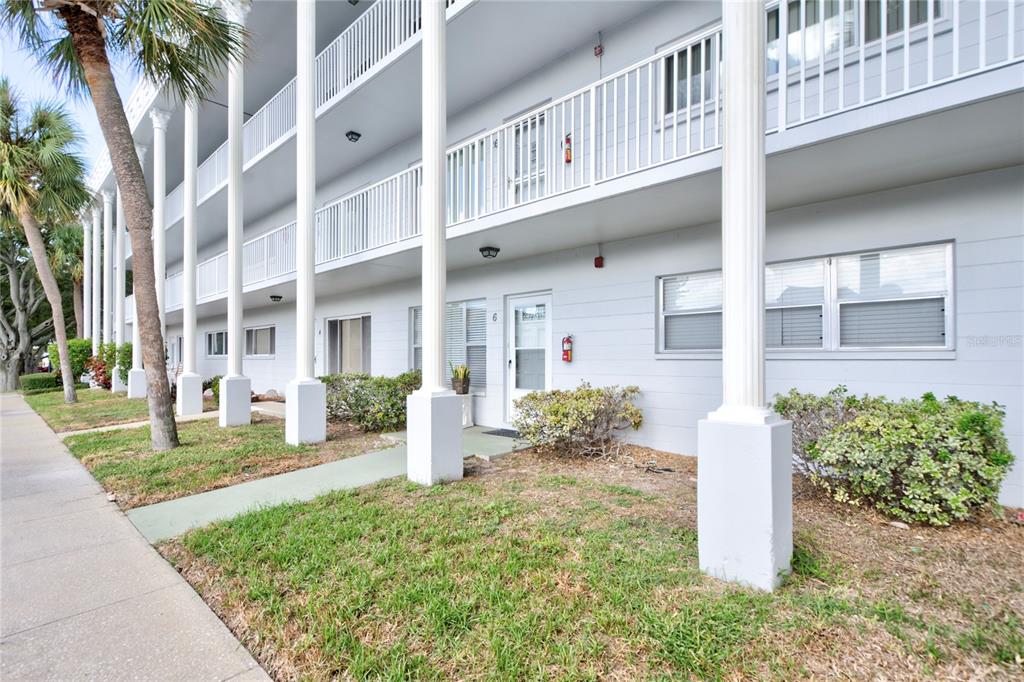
x: 38, y: 381
x: 371, y: 403
x: 582, y: 422
x: 926, y: 460
x: 213, y: 383
x: 124, y: 361
x: 460, y: 372
x: 79, y: 351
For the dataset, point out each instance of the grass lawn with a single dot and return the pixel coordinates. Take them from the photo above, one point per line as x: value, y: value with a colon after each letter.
x: 95, y: 407
x: 209, y: 457
x: 534, y: 567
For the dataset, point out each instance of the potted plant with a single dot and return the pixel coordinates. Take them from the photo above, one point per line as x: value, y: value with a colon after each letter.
x: 460, y: 379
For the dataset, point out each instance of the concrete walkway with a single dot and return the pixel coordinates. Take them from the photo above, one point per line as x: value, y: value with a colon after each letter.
x: 83, y: 595
x: 168, y: 519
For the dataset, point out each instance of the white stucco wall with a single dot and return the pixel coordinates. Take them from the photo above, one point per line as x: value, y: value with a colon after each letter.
x: 611, y: 311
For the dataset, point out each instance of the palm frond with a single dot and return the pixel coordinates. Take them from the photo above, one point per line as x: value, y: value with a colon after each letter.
x: 181, y: 42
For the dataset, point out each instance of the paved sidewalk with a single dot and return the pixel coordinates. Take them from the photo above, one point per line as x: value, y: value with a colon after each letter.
x: 83, y: 595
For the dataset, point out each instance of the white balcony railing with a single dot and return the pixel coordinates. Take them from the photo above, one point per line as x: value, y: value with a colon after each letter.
x: 366, y: 43
x: 660, y: 110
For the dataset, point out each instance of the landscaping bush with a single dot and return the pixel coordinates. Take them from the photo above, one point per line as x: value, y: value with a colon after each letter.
x: 98, y: 369
x: 925, y: 460
x: 581, y: 422
x: 371, y: 403
x: 38, y: 381
x: 124, y: 361
x: 79, y: 350
x: 53, y: 389
x: 214, y: 385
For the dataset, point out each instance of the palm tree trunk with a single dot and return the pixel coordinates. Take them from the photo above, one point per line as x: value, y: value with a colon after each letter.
x: 76, y: 296
x: 38, y: 248
x: 90, y: 46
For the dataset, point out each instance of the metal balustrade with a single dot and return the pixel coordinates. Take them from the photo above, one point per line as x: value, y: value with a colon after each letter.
x: 663, y: 109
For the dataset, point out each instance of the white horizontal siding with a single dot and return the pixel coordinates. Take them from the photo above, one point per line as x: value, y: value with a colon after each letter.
x: 611, y: 311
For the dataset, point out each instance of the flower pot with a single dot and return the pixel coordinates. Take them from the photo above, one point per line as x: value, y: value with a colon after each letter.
x: 460, y: 386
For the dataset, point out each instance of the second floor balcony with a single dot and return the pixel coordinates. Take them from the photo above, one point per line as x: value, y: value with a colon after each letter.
x: 830, y: 74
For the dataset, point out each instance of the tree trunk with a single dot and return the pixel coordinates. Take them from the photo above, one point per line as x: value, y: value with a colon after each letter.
x: 76, y: 296
x: 10, y: 373
x: 38, y: 248
x: 89, y: 45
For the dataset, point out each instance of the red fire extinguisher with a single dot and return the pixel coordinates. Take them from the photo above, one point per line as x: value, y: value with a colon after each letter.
x: 568, y: 147
x: 567, y: 348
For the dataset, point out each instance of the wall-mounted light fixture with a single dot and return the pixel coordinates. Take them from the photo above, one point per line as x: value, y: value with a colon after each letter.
x: 353, y: 136
x: 276, y: 298
x: 489, y: 251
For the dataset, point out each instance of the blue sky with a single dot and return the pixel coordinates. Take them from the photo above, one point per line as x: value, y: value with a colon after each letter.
x: 34, y: 84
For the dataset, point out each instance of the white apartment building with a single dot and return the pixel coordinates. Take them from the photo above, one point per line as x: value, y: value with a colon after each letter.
x: 583, y: 192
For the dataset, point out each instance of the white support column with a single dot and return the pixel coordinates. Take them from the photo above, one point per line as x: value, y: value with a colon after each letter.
x: 305, y: 397
x: 434, y: 411
x: 136, y: 375
x: 108, y: 264
x: 190, y: 384
x: 235, y: 388
x: 97, y: 278
x: 86, y: 276
x: 159, y: 118
x: 744, y: 484
x: 120, y: 282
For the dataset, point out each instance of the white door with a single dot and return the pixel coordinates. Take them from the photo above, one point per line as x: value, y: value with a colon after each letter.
x: 528, y: 347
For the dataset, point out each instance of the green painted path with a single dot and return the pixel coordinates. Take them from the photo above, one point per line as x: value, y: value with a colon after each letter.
x: 168, y: 519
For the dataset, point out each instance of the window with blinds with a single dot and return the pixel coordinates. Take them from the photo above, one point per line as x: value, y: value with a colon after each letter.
x: 897, y: 298
x: 794, y: 296
x: 894, y: 298
x: 465, y: 337
x: 259, y: 341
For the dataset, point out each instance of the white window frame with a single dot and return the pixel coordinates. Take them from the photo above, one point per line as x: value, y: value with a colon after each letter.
x: 830, y: 313
x: 211, y: 334
x: 255, y: 328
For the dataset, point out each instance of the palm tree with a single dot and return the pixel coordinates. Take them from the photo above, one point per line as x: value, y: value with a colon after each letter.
x: 66, y: 256
x: 180, y: 43
x: 42, y: 180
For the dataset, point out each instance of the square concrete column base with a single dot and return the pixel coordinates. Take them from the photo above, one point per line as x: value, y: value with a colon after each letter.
x: 235, y: 401
x: 434, y: 437
x: 190, y: 394
x: 745, y: 501
x: 116, y: 385
x: 305, y: 412
x: 136, y: 383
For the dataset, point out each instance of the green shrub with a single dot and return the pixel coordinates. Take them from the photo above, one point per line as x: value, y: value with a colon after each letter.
x: 108, y: 355
x: 79, y: 350
x: 214, y: 385
x: 371, y: 403
x: 926, y: 460
x: 38, y: 380
x: 53, y: 389
x: 583, y: 421
x: 124, y: 361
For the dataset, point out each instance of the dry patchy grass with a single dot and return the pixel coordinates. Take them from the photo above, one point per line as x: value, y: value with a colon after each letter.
x: 539, y: 567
